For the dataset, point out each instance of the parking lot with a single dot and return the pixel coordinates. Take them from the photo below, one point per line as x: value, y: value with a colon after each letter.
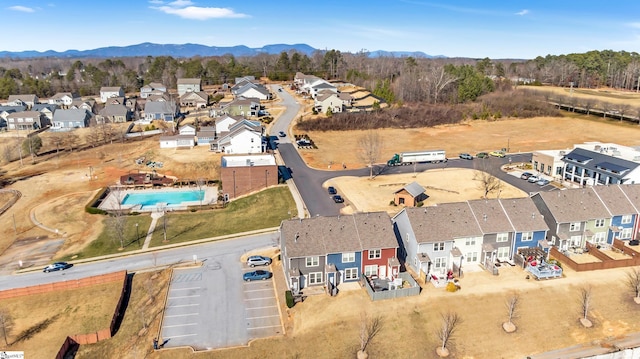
x: 262, y: 314
x: 212, y: 307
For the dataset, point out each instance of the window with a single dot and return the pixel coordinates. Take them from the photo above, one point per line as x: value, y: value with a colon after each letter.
x: 626, y: 219
x: 502, y: 237
x: 375, y: 253
x: 470, y: 242
x: 472, y: 257
x: 350, y: 273
x: 527, y: 236
x: 548, y: 169
x: 600, y: 223
x: 371, y: 270
x: 313, y: 261
x: 599, y: 237
x: 348, y: 257
x: 503, y: 253
x: 574, y: 226
x: 625, y: 233
x: 315, y: 277
x: 535, y: 165
x: 438, y: 247
x: 440, y: 263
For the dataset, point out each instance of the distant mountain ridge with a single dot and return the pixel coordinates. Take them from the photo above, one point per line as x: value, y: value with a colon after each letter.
x: 188, y: 50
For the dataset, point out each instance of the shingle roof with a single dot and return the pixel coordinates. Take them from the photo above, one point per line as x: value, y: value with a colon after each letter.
x: 413, y: 188
x: 159, y: 107
x: 318, y: 236
x: 574, y: 205
x: 188, y: 81
x: 114, y: 110
x: 110, y: 89
x: 524, y: 214
x: 614, y: 200
x: 71, y: 115
x: 490, y: 216
x: 443, y: 222
x: 632, y: 192
x: 25, y: 114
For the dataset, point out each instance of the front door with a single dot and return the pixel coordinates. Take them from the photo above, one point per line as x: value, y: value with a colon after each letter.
x: 382, y: 272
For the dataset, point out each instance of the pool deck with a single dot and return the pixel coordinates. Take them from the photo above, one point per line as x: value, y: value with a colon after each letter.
x: 114, y: 199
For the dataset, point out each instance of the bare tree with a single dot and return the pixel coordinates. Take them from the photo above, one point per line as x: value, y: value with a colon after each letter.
x: 487, y: 182
x: 6, y: 323
x: 200, y: 182
x: 369, y: 328
x: 585, y: 305
x: 512, y: 312
x: 370, y: 146
x: 450, y: 322
x: 633, y: 282
x: 117, y: 217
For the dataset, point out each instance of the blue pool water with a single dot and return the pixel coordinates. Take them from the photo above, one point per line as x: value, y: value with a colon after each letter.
x: 170, y: 198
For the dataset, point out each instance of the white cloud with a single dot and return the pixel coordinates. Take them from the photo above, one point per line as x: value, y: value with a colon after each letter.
x: 635, y: 25
x: 522, y: 12
x: 180, y: 3
x: 21, y: 8
x: 185, y: 10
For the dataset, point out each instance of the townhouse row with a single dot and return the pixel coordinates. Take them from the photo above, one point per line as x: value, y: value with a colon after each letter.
x: 448, y: 237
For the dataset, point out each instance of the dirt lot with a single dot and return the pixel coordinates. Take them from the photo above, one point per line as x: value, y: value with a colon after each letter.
x: 519, y: 135
x: 442, y: 186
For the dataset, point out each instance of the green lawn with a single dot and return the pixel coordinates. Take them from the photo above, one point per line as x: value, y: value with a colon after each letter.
x: 108, y: 243
x: 262, y: 210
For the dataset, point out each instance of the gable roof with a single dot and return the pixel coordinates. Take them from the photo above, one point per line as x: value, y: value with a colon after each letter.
x: 197, y: 94
x: 159, y: 107
x: 413, y: 188
x: 490, y: 216
x: 443, y: 222
x: 71, y: 115
x: 25, y: 114
x: 614, y: 200
x: 10, y: 109
x: 111, y: 89
x: 574, y: 205
x: 524, y: 215
x: 632, y: 192
x: 319, y: 236
x: 114, y: 110
x: 44, y: 106
x: 23, y: 97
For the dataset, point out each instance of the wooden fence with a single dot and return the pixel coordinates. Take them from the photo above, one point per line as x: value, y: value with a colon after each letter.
x: 606, y: 262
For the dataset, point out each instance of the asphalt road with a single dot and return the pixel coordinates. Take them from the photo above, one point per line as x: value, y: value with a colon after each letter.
x: 208, y: 252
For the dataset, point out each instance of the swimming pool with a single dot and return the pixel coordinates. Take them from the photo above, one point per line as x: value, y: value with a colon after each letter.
x: 172, y: 198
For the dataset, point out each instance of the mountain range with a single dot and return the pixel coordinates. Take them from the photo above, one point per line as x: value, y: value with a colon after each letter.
x: 188, y: 50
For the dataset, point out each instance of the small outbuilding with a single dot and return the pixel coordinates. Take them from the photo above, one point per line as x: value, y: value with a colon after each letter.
x: 410, y: 195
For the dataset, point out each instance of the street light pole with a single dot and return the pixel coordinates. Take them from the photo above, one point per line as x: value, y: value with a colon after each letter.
x: 137, y: 235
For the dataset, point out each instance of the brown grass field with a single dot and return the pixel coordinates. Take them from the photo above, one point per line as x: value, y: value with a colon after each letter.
x: 56, y: 190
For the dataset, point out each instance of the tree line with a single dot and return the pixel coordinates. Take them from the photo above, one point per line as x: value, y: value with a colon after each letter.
x: 396, y: 79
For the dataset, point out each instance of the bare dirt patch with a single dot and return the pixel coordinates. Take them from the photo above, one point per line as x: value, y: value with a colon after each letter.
x: 518, y: 135
x: 442, y: 186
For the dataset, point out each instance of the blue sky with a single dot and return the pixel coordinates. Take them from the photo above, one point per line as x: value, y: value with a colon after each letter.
x: 494, y: 29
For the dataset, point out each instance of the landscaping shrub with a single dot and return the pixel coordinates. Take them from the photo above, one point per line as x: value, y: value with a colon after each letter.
x: 289, y: 297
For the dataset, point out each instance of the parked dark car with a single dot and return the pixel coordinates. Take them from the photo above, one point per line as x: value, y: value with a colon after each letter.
x: 257, y: 275
x: 57, y: 266
x: 338, y: 199
x: 282, y: 134
x: 332, y: 190
x: 482, y: 155
x: 466, y: 156
x: 253, y: 261
x: 526, y: 175
x: 634, y: 242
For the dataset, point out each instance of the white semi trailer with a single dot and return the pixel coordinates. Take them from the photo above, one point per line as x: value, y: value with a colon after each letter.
x: 408, y: 158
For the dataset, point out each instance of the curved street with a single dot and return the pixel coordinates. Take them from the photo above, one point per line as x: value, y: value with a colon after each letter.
x: 309, y: 181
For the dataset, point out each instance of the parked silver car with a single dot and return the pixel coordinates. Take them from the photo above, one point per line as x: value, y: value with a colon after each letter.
x: 253, y: 261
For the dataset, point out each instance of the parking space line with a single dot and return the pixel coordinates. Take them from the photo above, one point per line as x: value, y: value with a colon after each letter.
x: 264, y: 316
x: 246, y: 300
x: 269, y: 326
x: 180, y: 315
x: 186, y: 288
x: 185, y: 296
x: 179, y: 336
x: 271, y: 306
x: 179, y: 325
x: 183, y: 305
x: 257, y: 290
